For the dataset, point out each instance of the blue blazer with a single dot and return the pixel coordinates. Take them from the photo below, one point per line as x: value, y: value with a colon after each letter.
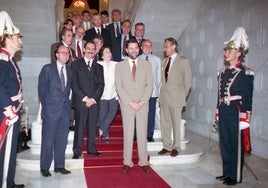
x: 55, y: 102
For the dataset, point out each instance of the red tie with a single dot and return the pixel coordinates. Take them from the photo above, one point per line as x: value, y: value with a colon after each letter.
x: 133, y: 70
x: 167, y: 68
x: 79, y: 53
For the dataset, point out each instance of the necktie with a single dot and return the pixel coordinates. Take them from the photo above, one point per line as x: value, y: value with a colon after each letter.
x: 88, y: 65
x: 62, y: 79
x: 98, y: 32
x: 79, y: 53
x: 117, y: 30
x: 133, y: 70
x: 167, y: 68
x: 124, y: 52
x: 147, y: 58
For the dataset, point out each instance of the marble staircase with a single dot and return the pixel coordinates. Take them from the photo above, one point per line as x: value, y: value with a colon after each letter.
x: 30, y: 159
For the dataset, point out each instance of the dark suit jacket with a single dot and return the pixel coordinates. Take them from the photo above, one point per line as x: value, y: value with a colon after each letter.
x: 53, y: 56
x: 111, y: 28
x: 55, y: 102
x: 117, y: 48
x: 105, y: 34
x: 86, y: 82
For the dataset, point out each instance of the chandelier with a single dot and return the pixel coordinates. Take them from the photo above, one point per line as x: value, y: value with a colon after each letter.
x: 79, y: 4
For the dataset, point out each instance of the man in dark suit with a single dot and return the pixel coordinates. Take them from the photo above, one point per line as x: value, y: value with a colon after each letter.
x: 87, y: 85
x: 98, y: 30
x: 10, y: 97
x: 54, y: 87
x: 115, y: 26
x: 66, y: 40
x: 119, y: 43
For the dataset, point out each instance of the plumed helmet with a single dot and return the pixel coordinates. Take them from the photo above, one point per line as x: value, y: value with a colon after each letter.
x: 6, y: 26
x: 239, y: 40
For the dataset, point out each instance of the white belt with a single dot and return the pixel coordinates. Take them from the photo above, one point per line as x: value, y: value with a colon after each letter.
x: 16, y: 97
x: 228, y: 99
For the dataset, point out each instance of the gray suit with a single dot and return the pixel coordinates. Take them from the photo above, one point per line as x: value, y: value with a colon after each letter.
x: 172, y: 99
x: 136, y: 90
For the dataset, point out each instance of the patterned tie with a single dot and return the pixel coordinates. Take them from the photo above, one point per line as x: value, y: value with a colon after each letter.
x: 133, y: 70
x: 124, y: 52
x: 62, y: 79
x: 117, y: 30
x: 79, y: 53
x: 167, y: 69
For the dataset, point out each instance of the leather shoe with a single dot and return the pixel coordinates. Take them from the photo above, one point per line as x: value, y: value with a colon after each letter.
x: 150, y: 139
x: 174, y: 153
x: 45, y: 173
x: 221, y: 178
x: 62, y: 171
x: 146, y: 168
x: 163, y: 151
x: 95, y: 154
x: 126, y: 168
x: 18, y: 186
x: 229, y: 181
x: 76, y: 156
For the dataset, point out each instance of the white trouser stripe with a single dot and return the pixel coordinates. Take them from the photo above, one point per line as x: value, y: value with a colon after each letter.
x: 7, y: 155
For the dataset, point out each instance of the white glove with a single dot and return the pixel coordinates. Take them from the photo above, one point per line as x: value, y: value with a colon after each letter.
x: 244, y: 119
x: 11, y: 115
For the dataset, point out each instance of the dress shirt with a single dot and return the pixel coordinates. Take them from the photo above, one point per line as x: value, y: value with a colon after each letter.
x: 86, y: 25
x: 115, y: 27
x: 130, y: 61
x: 64, y: 71
x: 172, y: 61
x: 96, y: 29
x: 80, y: 45
x: 156, y: 70
x: 109, y: 80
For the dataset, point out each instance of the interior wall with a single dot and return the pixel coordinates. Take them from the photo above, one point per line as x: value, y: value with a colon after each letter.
x: 203, y: 42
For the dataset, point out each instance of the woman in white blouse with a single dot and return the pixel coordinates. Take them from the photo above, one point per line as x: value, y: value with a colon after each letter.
x: 109, y: 99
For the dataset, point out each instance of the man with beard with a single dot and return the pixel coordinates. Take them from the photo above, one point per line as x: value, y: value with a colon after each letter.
x: 134, y: 85
x: 10, y: 97
x: 87, y: 87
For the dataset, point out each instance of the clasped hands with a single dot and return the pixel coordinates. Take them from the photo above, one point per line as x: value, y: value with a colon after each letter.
x: 89, y: 102
x: 136, y: 106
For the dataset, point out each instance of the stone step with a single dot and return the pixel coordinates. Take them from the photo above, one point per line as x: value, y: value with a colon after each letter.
x: 30, y: 159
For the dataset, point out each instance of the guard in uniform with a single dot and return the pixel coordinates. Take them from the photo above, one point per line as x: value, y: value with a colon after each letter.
x: 235, y: 90
x: 10, y: 97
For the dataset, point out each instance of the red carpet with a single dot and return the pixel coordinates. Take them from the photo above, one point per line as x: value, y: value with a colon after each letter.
x: 106, y: 170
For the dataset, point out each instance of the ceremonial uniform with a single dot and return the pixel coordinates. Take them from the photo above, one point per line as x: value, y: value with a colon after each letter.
x: 234, y: 105
x: 235, y: 89
x: 10, y: 95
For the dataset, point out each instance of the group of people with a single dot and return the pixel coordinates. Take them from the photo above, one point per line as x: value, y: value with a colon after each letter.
x: 109, y: 64
x: 93, y: 67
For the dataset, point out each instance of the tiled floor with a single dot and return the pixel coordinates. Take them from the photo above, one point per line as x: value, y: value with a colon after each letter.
x: 198, y: 175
